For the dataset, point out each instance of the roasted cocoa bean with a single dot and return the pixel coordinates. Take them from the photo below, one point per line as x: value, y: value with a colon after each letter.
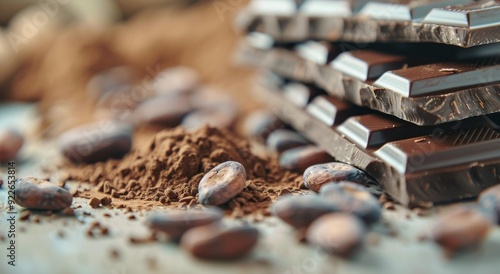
x: 222, y: 183
x: 11, y: 142
x: 284, y: 139
x: 340, y: 234
x: 220, y: 117
x: 259, y: 124
x: 353, y: 198
x: 96, y: 142
x: 318, y: 175
x: 461, y: 227
x: 34, y: 193
x: 165, y: 110
x: 214, y: 242
x: 300, y: 158
x: 301, y: 211
x: 175, y: 222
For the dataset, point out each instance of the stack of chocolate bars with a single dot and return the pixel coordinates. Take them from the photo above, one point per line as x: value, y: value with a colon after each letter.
x: 408, y: 91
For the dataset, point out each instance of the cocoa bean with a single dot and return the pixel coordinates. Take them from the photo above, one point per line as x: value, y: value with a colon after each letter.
x: 221, y: 117
x: 11, y: 142
x: 176, y: 80
x: 96, y: 142
x: 353, y: 198
x: 460, y: 227
x: 300, y: 158
x: 175, y: 222
x: 259, y: 124
x: 340, y: 234
x: 301, y: 211
x: 284, y: 139
x: 214, y: 242
x: 34, y: 193
x: 318, y: 175
x: 222, y: 183
x: 165, y: 110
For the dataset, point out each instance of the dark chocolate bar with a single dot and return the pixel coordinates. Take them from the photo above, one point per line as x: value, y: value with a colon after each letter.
x: 416, y: 88
x: 464, y: 23
x: 417, y: 166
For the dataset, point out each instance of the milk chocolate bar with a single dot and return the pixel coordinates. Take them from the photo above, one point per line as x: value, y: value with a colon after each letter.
x: 422, y: 89
x: 417, y: 166
x: 464, y: 23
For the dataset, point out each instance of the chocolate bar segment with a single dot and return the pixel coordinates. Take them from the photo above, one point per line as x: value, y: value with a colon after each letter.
x: 464, y: 23
x: 474, y: 15
x: 373, y: 130
x: 425, y: 94
x: 367, y: 64
x: 443, y: 150
x: 432, y: 78
x: 443, y: 176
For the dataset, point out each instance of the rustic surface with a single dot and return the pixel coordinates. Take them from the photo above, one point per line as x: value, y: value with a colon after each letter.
x: 62, y: 246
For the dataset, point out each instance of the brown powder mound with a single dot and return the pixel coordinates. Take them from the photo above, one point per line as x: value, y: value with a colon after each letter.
x: 170, y: 168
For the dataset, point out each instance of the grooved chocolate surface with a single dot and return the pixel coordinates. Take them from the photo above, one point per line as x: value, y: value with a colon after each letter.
x: 426, y: 94
x: 441, y: 164
x: 464, y: 23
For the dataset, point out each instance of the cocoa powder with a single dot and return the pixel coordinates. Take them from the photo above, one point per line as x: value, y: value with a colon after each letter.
x: 170, y: 167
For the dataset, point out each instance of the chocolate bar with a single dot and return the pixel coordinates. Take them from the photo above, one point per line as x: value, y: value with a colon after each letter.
x: 464, y: 23
x: 450, y: 85
x: 417, y: 166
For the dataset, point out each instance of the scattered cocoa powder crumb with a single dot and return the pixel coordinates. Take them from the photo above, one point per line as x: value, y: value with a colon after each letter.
x: 140, y: 240
x: 35, y: 219
x: 104, y: 230
x: 94, y: 202
x: 2, y: 238
x: 132, y: 217
x: 60, y: 234
x: 151, y: 262
x: 25, y: 215
x: 105, y: 201
x: 173, y: 163
x: 107, y: 215
x: 114, y: 254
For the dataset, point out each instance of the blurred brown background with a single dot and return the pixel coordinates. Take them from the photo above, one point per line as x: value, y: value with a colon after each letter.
x: 57, y: 46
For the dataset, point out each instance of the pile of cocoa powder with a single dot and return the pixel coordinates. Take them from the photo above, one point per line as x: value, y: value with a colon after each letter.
x: 170, y: 167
